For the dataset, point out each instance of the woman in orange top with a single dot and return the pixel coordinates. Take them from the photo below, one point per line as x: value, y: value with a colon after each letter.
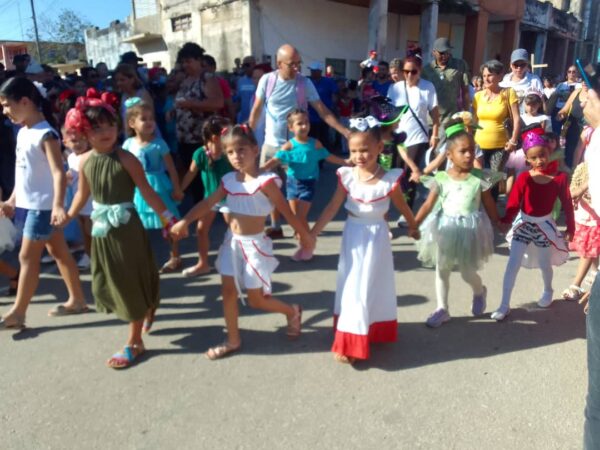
x: 490, y: 110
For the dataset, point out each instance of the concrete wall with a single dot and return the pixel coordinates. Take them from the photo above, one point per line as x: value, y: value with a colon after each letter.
x: 175, y: 39
x: 337, y: 31
x: 225, y: 32
x: 106, y: 45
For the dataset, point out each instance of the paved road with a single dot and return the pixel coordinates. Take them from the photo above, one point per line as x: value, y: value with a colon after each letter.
x: 470, y: 384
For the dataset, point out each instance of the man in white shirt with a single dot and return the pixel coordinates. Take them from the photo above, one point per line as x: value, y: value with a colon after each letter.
x: 279, y: 93
x: 591, y: 111
x: 520, y: 78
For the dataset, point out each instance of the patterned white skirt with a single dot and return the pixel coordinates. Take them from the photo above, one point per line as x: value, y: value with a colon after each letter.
x: 538, y: 232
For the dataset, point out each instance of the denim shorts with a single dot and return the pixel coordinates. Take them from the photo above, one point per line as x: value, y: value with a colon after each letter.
x: 34, y: 223
x: 300, y: 189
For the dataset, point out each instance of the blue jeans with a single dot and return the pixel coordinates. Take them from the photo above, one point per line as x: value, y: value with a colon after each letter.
x: 591, y: 431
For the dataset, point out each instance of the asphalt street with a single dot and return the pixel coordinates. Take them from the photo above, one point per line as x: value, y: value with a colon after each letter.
x: 471, y: 384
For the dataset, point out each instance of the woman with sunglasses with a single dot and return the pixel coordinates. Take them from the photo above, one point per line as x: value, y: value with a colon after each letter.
x: 491, y: 107
x: 420, y: 96
x: 520, y: 78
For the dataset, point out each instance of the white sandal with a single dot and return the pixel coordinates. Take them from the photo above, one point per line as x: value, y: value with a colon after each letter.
x: 573, y: 293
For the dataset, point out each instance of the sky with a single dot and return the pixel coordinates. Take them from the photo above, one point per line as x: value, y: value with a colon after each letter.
x: 15, y: 15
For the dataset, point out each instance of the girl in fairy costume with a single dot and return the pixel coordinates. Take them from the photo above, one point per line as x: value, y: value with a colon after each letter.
x: 460, y: 234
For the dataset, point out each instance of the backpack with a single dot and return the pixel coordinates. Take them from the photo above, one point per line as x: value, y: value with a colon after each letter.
x: 300, y: 88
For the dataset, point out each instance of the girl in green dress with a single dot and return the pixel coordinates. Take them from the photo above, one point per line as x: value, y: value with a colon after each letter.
x: 124, y: 275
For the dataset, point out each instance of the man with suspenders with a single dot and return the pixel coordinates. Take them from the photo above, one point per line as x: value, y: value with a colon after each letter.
x: 279, y: 93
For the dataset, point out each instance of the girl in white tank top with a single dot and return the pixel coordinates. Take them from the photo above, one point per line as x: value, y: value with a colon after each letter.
x: 39, y: 192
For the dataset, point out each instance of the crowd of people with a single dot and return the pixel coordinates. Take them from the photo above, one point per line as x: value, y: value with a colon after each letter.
x: 102, y: 156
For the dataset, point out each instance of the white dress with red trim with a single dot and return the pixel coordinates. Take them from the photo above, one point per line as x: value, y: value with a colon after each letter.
x: 365, y: 300
x: 248, y: 258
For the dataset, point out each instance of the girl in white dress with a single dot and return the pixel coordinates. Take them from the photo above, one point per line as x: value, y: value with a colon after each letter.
x: 365, y: 300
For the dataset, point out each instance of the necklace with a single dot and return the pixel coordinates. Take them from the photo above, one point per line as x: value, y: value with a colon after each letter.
x: 491, y: 96
x: 369, y: 178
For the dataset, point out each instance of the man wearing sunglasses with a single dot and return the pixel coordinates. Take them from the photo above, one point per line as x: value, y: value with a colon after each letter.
x: 520, y: 78
x: 450, y: 76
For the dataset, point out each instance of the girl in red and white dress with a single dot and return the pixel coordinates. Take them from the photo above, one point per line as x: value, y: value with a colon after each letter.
x: 365, y: 299
x: 246, y: 259
x: 534, y: 238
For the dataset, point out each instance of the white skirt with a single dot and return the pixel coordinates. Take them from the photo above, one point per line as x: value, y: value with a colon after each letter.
x: 8, y: 235
x: 249, y: 260
x: 365, y: 300
x: 540, y: 229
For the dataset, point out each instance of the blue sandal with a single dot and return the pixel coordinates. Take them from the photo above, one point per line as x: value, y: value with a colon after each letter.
x: 126, y: 358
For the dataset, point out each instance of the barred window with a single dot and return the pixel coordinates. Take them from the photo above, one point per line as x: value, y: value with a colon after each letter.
x: 181, y: 23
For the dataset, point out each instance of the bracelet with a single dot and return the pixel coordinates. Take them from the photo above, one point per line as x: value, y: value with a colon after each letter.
x: 511, y: 142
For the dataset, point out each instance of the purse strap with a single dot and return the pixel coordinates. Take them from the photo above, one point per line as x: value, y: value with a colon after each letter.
x: 506, y: 99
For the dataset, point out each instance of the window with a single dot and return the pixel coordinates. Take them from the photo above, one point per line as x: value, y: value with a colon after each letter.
x: 339, y: 66
x: 181, y: 23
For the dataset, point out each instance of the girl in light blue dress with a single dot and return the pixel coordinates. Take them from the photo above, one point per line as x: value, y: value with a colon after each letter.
x: 154, y: 155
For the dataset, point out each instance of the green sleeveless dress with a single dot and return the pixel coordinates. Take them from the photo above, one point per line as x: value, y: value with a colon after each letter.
x: 124, y: 275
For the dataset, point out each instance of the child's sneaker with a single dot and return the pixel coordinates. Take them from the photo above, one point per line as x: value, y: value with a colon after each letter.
x: 479, y: 303
x: 437, y: 318
x: 546, y: 299
x: 500, y: 314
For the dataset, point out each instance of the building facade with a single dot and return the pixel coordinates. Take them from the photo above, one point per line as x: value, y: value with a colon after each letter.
x: 341, y: 32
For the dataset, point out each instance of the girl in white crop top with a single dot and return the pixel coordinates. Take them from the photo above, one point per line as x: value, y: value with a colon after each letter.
x: 39, y: 193
x: 245, y: 259
x: 365, y: 300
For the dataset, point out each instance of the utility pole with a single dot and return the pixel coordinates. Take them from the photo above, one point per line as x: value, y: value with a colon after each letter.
x: 37, y: 36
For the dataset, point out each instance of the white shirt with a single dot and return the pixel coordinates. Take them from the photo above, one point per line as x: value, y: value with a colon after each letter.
x: 73, y: 160
x: 542, y: 119
x: 593, y: 159
x: 529, y: 82
x: 34, y: 185
x: 280, y: 103
x: 422, y: 99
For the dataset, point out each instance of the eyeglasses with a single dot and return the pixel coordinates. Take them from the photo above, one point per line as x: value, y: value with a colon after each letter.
x: 295, y: 64
x: 411, y: 72
x: 519, y: 65
x: 443, y: 53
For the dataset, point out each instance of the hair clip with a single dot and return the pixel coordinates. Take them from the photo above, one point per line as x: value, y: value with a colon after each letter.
x: 364, y: 123
x: 245, y: 127
x: 455, y: 129
x: 131, y: 102
x: 224, y: 131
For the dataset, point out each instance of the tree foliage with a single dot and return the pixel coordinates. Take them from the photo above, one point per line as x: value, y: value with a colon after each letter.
x: 67, y: 27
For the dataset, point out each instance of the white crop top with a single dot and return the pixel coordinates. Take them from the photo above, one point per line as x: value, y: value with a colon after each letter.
x: 369, y: 201
x: 246, y: 198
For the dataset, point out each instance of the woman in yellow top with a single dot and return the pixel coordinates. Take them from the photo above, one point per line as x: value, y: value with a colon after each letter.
x: 490, y: 110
